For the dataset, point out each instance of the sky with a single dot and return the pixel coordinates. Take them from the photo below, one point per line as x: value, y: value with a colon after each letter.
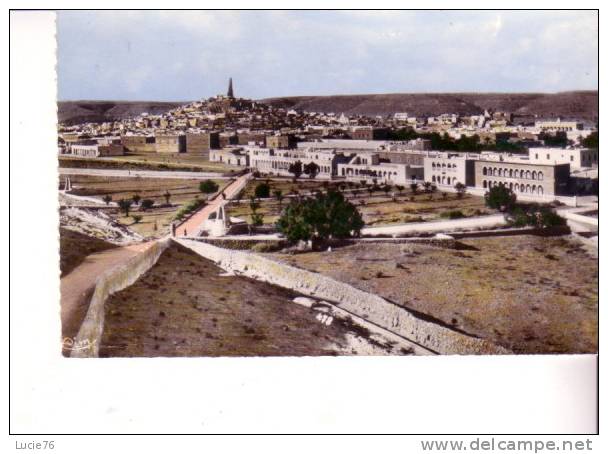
x: 183, y: 56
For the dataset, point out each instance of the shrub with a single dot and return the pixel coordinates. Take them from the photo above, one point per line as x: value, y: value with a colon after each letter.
x: 107, y: 199
x: 262, y: 190
x: 208, y: 186
x: 452, y: 214
x: 137, y: 218
x: 146, y: 204
x: 266, y: 246
x: 136, y: 198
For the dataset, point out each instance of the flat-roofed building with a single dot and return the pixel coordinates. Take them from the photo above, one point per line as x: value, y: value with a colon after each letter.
x: 230, y: 156
x: 202, y: 142
x: 368, y: 133
x: 251, y: 137
x: 578, y: 158
x: 558, y: 126
x: 278, y: 161
x: 170, y: 143
x: 367, y: 166
x: 279, y: 141
x: 227, y: 138
x: 95, y: 150
x: 138, y: 143
x: 449, y: 169
x: 524, y: 178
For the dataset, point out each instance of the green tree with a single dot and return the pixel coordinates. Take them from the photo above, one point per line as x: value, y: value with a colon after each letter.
x: 399, y: 188
x: 295, y: 169
x: 107, y: 199
x: 125, y: 205
x: 500, y: 198
x: 311, y: 169
x: 327, y: 215
x: 262, y: 190
x: 592, y: 140
x: 146, y: 204
x: 278, y: 194
x: 427, y: 186
x: 136, y: 198
x: 460, y: 189
x: 208, y: 186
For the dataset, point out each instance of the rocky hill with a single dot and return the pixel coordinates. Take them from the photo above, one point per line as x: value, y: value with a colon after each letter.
x: 75, y: 112
x: 575, y: 104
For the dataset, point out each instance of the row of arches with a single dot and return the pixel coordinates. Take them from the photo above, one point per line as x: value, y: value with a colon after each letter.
x: 443, y: 166
x: 516, y: 187
x: 450, y: 181
x: 513, y: 173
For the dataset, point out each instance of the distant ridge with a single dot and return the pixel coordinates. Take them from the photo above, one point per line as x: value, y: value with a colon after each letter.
x: 581, y: 105
x: 74, y: 112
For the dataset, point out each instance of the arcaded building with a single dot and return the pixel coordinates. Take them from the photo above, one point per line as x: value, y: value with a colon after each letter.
x: 524, y: 178
x: 278, y: 161
x: 367, y: 166
x: 449, y: 169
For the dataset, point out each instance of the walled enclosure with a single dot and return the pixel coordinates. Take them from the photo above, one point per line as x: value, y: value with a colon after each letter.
x: 373, y: 308
x: 117, y: 278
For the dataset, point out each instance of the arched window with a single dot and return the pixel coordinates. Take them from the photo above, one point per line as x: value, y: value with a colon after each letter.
x: 449, y: 180
x: 540, y: 176
x: 527, y: 174
x: 540, y: 190
x: 534, y: 174
x: 500, y: 172
x: 485, y: 172
x: 485, y: 183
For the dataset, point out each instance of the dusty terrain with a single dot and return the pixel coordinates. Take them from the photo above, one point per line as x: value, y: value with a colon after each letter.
x: 183, y: 306
x: 378, y: 208
x: 527, y: 293
x: 154, y: 221
x: 148, y: 161
x: 74, y: 247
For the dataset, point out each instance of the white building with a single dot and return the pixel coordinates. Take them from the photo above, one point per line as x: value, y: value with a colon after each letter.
x: 577, y: 157
x: 449, y: 169
x: 367, y: 166
x: 278, y: 161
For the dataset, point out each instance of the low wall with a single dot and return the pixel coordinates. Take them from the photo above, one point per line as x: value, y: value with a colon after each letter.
x: 419, y: 329
x: 88, y: 338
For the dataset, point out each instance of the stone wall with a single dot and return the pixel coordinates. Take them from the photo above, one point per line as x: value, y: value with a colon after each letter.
x: 422, y: 330
x: 89, y: 335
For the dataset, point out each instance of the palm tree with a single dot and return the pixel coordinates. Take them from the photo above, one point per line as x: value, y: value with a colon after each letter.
x: 278, y: 195
x: 107, y: 199
x: 414, y: 187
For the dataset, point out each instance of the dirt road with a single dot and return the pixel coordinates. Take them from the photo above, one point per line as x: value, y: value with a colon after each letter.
x: 77, y: 286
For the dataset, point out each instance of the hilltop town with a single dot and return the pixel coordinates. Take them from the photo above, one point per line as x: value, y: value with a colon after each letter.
x: 351, y: 217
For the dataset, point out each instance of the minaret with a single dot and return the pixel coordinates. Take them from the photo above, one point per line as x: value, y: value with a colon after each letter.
x: 230, y: 90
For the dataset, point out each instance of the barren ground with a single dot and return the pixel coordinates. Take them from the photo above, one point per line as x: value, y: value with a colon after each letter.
x: 182, y: 191
x: 377, y: 208
x: 184, y: 307
x: 530, y: 294
x: 74, y: 247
